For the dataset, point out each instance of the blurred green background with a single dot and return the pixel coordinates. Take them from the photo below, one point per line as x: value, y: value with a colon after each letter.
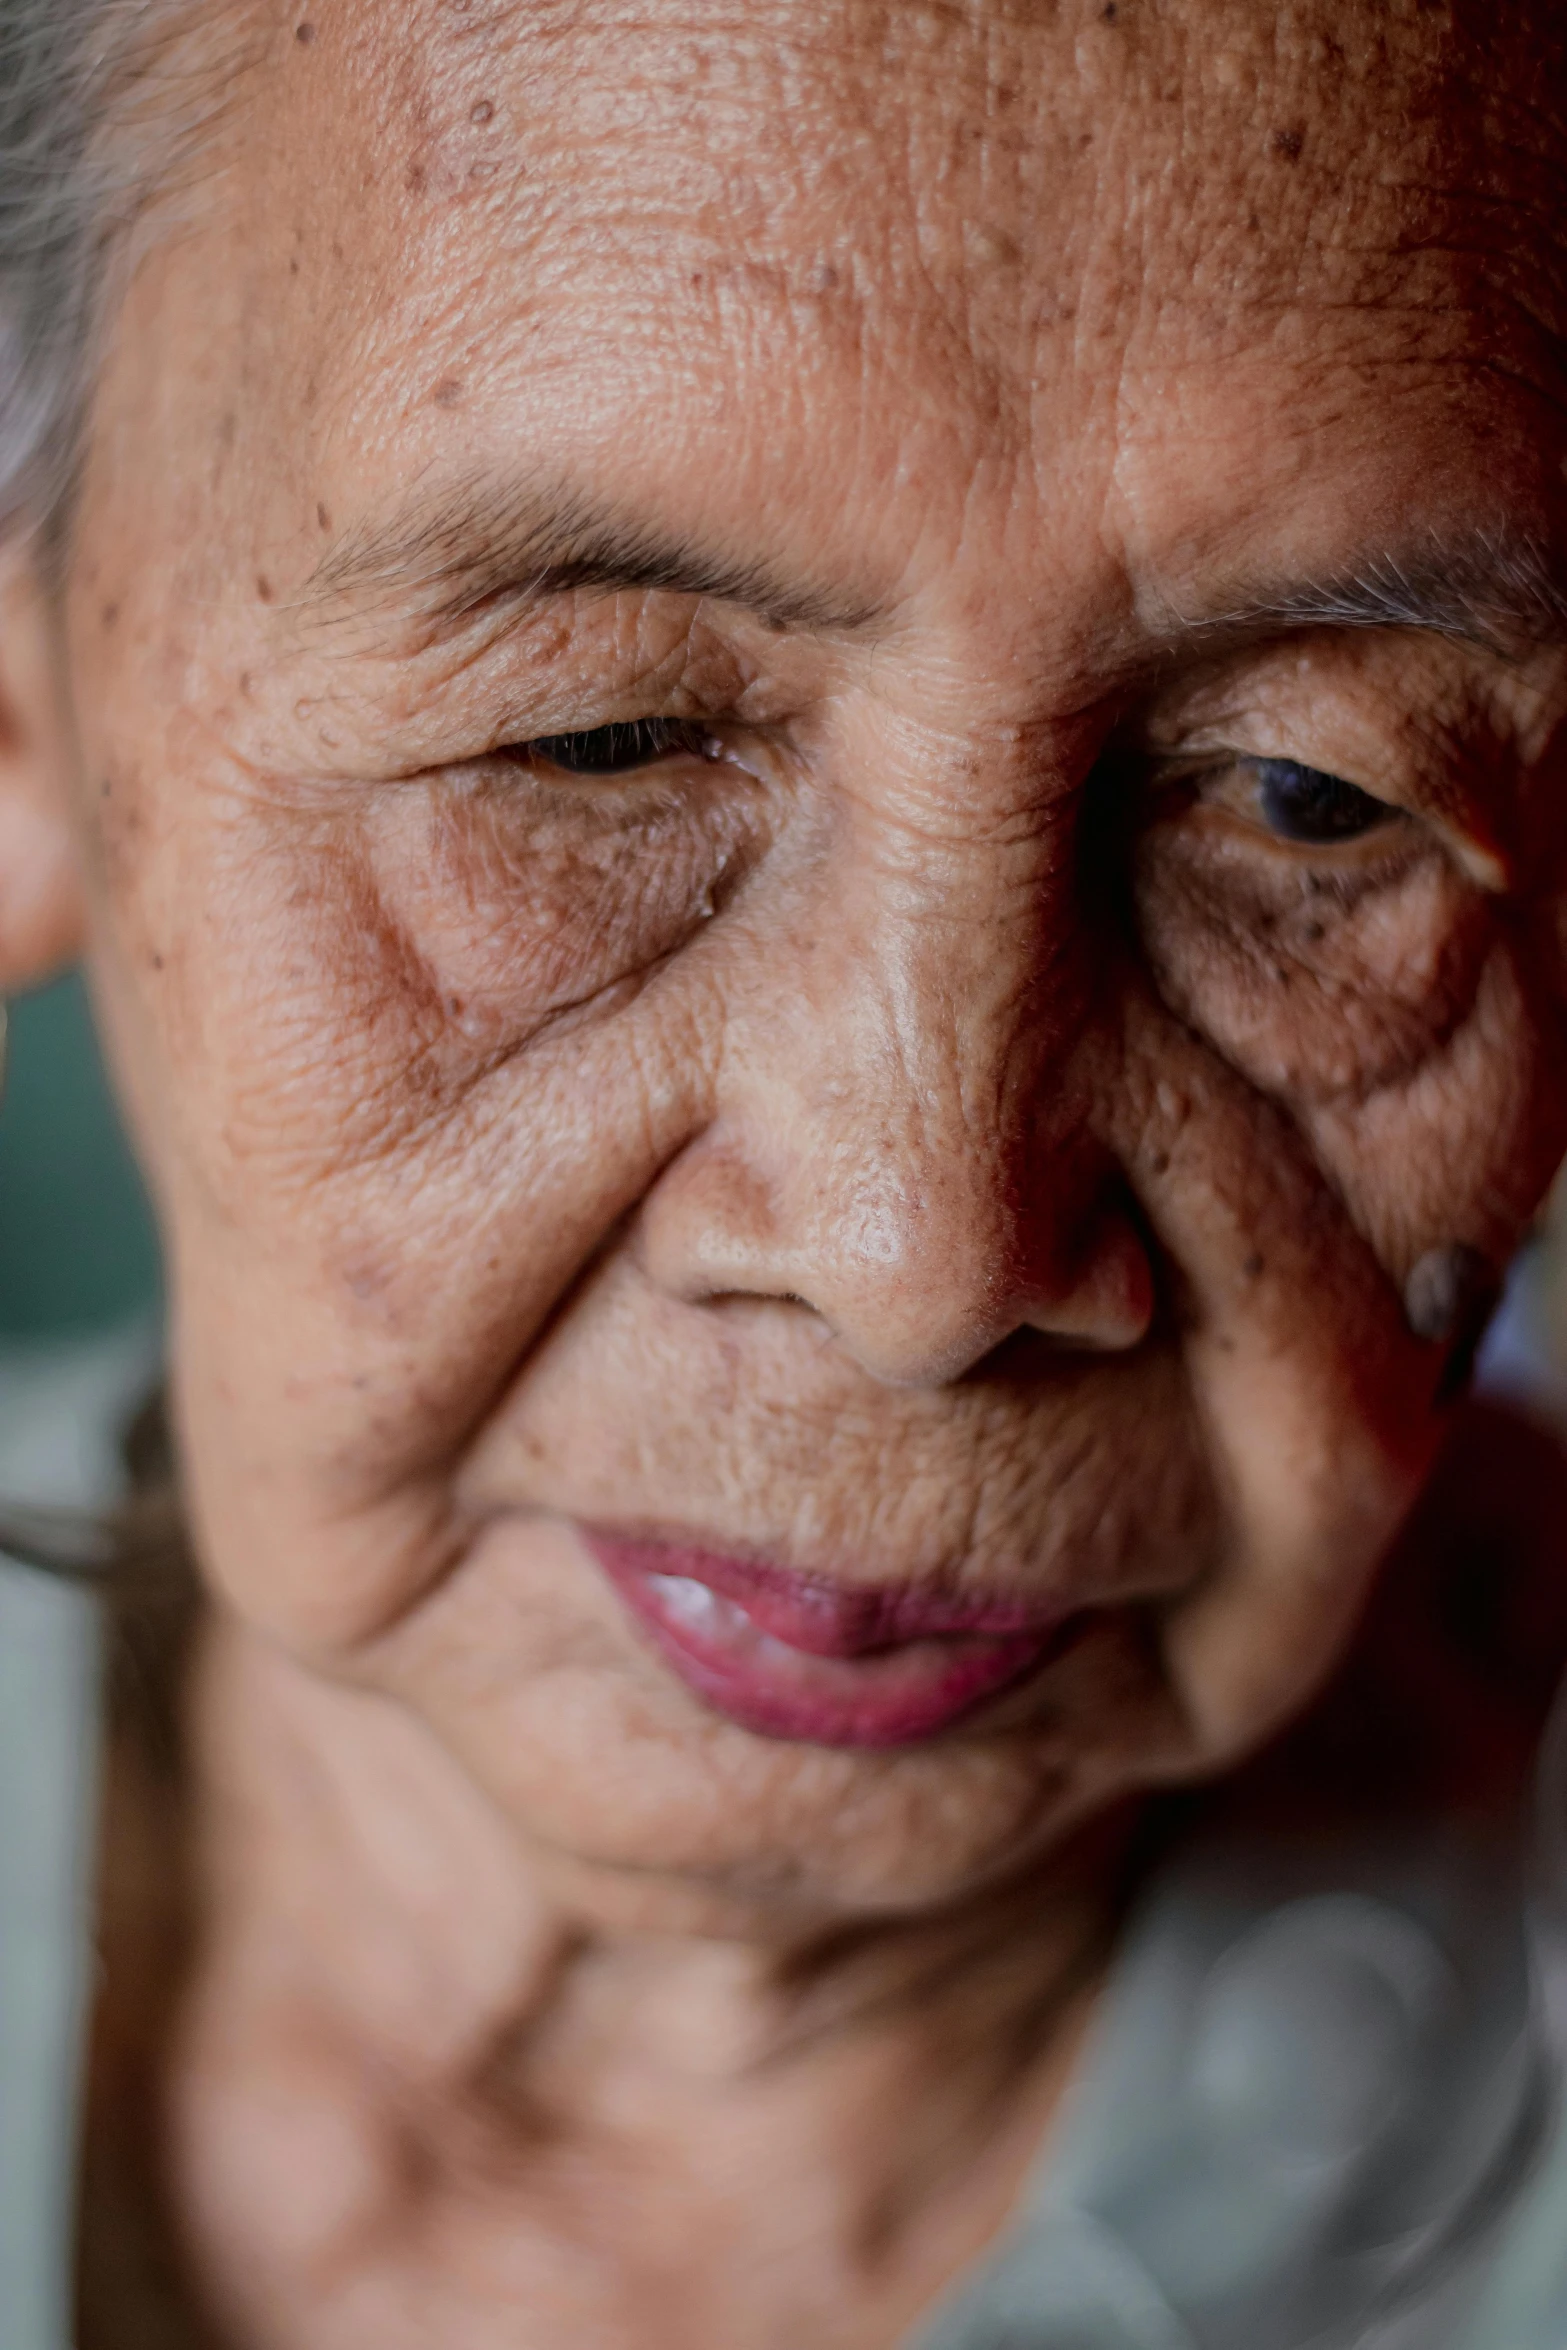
x: 77, y: 1248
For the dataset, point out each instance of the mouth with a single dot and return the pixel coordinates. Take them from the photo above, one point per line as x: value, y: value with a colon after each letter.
x: 800, y: 1657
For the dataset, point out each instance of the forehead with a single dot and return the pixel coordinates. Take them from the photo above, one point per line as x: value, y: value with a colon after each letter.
x: 1052, y: 241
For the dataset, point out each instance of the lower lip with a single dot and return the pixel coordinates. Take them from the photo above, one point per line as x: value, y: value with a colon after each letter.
x: 841, y: 1680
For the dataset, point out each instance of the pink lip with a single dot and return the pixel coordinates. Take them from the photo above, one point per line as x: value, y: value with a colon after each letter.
x: 799, y: 1657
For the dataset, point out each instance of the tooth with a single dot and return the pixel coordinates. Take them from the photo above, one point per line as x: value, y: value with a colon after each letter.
x: 688, y: 1601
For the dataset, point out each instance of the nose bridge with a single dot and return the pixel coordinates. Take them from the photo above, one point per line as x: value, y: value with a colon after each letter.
x: 929, y: 1090
x: 900, y: 1140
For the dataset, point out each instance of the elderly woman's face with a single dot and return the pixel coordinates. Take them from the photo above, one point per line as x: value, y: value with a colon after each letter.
x: 793, y: 1118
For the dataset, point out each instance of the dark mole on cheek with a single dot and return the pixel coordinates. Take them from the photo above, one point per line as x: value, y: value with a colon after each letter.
x: 1449, y: 1298
x: 263, y: 587
x: 323, y: 518
x: 448, y: 392
x: 1443, y: 1286
x: 304, y: 34
x: 1288, y: 144
x: 481, y: 110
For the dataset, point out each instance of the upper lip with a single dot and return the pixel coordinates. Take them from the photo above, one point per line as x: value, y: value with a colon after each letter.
x: 822, y: 1614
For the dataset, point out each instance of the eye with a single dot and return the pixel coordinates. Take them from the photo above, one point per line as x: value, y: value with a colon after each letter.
x: 622, y: 748
x: 1302, y: 804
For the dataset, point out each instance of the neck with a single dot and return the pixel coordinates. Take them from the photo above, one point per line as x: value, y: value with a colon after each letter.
x: 353, y: 1877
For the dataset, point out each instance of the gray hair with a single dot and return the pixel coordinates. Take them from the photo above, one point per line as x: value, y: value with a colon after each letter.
x: 73, y: 75
x: 49, y: 214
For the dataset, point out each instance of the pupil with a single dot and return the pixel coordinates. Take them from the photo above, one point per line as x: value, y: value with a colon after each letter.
x: 1301, y: 803
x: 615, y: 750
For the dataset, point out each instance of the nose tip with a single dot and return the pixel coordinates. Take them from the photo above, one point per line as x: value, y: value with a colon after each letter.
x: 918, y: 1286
x: 946, y: 1301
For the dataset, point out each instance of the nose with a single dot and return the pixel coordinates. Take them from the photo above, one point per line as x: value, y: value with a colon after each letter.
x: 902, y: 1142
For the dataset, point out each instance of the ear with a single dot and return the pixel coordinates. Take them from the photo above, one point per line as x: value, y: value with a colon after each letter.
x: 42, y: 908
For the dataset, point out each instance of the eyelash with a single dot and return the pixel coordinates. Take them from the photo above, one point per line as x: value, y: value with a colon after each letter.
x: 1327, y: 809
x: 621, y: 748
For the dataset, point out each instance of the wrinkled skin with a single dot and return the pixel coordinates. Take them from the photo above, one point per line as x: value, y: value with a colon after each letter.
x: 937, y: 1131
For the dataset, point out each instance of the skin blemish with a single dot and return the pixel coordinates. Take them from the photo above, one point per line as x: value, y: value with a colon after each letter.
x: 263, y: 587
x: 323, y: 518
x: 481, y: 111
x: 1288, y: 144
x: 448, y: 393
x: 109, y: 615
x: 1450, y: 1295
x: 992, y: 247
x: 305, y: 35
x: 416, y: 179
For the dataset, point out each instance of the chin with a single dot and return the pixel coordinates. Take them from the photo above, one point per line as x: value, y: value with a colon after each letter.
x: 629, y: 1788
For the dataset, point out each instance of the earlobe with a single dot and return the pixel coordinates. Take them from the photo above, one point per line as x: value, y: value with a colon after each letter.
x: 41, y: 905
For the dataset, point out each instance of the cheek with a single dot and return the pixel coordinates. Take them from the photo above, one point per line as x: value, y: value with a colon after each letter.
x: 1410, y: 1026
x: 1464, y: 1146
x: 1313, y: 986
x: 522, y: 906
x: 1313, y: 1398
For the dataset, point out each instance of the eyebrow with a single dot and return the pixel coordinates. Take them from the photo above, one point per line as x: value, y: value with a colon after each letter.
x: 448, y: 559
x: 1497, y: 589
x: 445, y: 562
